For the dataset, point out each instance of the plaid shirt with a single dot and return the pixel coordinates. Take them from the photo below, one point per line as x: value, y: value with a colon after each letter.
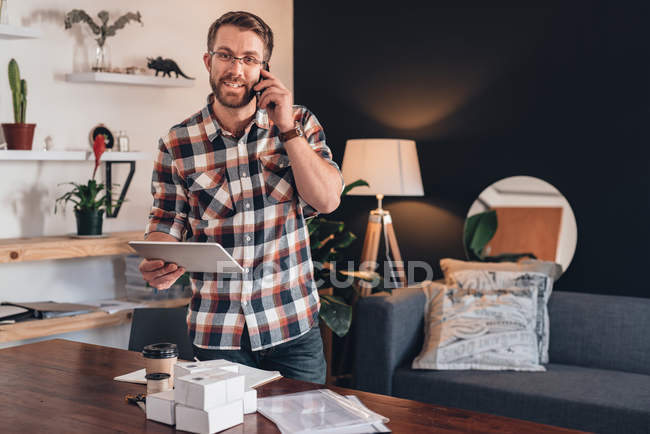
x: 209, y: 186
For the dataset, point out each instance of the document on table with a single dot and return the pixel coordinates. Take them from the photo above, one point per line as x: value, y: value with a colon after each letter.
x: 253, y: 377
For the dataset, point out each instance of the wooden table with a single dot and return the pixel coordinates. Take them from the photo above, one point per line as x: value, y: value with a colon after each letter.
x: 64, y: 386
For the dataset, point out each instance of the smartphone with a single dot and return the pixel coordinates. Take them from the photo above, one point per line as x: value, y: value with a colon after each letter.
x: 259, y: 93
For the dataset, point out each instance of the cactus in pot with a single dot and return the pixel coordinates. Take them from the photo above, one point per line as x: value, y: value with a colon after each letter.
x: 18, y: 92
x: 18, y: 135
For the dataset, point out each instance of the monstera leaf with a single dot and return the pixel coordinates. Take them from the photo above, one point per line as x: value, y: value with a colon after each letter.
x: 479, y: 230
x: 336, y: 313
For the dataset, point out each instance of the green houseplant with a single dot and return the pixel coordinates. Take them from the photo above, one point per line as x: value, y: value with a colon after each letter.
x: 327, y: 239
x: 478, y: 231
x: 19, y: 135
x: 90, y: 200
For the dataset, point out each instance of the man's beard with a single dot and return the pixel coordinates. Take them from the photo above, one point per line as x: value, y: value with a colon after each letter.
x: 229, y: 101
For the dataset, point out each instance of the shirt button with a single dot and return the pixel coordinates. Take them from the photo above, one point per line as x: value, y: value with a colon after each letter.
x: 248, y: 205
x: 246, y: 270
x: 244, y: 174
x: 248, y: 237
x: 244, y: 303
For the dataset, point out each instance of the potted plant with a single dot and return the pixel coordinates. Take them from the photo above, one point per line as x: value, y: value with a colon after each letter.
x: 102, y: 30
x: 90, y: 200
x: 326, y: 239
x: 18, y: 135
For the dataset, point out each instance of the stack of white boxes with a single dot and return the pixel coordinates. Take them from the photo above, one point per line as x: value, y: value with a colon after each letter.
x: 208, y: 397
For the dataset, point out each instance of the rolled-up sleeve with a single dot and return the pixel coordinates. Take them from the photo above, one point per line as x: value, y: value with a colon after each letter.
x: 315, y: 136
x: 170, y: 207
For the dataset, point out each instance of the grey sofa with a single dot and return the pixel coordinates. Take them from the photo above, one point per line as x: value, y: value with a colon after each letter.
x: 598, y: 378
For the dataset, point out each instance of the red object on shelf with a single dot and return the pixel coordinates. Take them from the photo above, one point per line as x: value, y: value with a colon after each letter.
x: 99, y: 146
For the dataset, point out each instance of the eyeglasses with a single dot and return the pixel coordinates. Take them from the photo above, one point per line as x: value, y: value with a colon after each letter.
x: 227, y: 57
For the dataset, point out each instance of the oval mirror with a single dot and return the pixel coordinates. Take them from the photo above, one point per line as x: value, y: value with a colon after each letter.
x: 532, y: 217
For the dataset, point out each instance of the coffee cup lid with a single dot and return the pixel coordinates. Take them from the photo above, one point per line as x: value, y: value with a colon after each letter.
x: 157, y: 376
x: 163, y: 350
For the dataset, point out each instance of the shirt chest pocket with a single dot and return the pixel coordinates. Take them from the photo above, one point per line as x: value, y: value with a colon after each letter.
x: 211, y: 194
x: 278, y: 177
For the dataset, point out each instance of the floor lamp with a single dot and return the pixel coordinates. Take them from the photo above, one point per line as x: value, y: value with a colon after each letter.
x: 391, y: 168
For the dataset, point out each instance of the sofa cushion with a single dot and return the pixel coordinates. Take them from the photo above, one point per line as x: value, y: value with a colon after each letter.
x: 477, y: 329
x: 450, y: 266
x: 600, y: 331
x: 515, y: 280
x: 567, y: 396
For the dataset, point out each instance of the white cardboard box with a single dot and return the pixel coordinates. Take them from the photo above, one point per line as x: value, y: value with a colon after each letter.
x: 187, y: 368
x: 208, y: 389
x: 211, y: 421
x: 250, y: 401
x: 160, y: 407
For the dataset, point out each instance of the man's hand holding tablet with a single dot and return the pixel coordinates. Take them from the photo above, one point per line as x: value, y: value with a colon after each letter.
x: 156, y: 272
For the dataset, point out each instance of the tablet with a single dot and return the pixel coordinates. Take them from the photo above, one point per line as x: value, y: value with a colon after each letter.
x: 196, y: 257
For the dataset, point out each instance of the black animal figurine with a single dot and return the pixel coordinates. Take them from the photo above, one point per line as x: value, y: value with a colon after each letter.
x: 167, y: 66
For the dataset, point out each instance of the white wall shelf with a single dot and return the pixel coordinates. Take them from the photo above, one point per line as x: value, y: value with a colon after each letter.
x: 132, y: 79
x: 16, y: 32
x: 109, y: 158
x: 15, y: 155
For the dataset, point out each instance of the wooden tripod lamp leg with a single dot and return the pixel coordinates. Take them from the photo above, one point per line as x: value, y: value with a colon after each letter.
x: 370, y: 250
x: 396, y: 256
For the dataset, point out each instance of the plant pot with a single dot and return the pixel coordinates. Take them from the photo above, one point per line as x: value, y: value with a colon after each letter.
x: 19, y: 136
x: 89, y: 222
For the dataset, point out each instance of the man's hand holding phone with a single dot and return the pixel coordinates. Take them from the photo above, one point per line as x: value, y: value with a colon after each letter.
x: 276, y: 99
x: 156, y: 272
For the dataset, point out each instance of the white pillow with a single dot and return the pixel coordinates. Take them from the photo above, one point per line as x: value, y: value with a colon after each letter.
x: 480, y: 329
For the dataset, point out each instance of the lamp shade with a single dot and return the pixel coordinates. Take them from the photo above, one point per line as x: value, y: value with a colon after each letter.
x: 390, y: 166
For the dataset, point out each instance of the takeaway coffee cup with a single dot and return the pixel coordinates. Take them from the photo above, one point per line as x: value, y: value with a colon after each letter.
x: 161, y: 358
x: 158, y: 382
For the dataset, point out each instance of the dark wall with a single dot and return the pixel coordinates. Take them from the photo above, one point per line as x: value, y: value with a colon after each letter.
x: 557, y: 92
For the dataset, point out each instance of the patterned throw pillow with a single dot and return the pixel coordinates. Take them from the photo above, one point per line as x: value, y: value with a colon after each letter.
x: 487, y: 280
x: 480, y: 329
x: 450, y: 266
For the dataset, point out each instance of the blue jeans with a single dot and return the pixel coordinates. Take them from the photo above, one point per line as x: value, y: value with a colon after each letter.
x: 300, y: 358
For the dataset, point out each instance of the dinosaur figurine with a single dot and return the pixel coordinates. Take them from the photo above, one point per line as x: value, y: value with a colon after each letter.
x: 167, y: 66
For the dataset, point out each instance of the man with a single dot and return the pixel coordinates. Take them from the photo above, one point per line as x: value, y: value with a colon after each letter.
x: 246, y: 171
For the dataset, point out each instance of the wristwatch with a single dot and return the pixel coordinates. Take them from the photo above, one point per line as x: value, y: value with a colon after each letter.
x: 294, y: 132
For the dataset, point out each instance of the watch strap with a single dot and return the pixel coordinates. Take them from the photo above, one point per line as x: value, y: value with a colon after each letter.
x: 288, y: 135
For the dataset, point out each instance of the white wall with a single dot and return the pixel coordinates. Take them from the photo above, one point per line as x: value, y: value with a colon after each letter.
x: 67, y: 112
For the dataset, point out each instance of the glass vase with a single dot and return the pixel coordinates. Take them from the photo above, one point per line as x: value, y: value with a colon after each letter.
x: 101, y: 59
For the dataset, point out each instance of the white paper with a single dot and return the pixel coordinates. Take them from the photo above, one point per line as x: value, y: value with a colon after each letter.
x: 133, y: 377
x: 253, y: 376
x: 112, y: 306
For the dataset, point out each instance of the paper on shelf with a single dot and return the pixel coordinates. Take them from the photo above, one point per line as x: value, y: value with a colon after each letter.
x: 112, y: 306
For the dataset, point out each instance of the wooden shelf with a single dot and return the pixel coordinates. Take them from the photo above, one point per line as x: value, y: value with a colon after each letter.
x: 132, y: 79
x: 64, y: 247
x: 16, y: 155
x: 16, y: 32
x: 47, y: 327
